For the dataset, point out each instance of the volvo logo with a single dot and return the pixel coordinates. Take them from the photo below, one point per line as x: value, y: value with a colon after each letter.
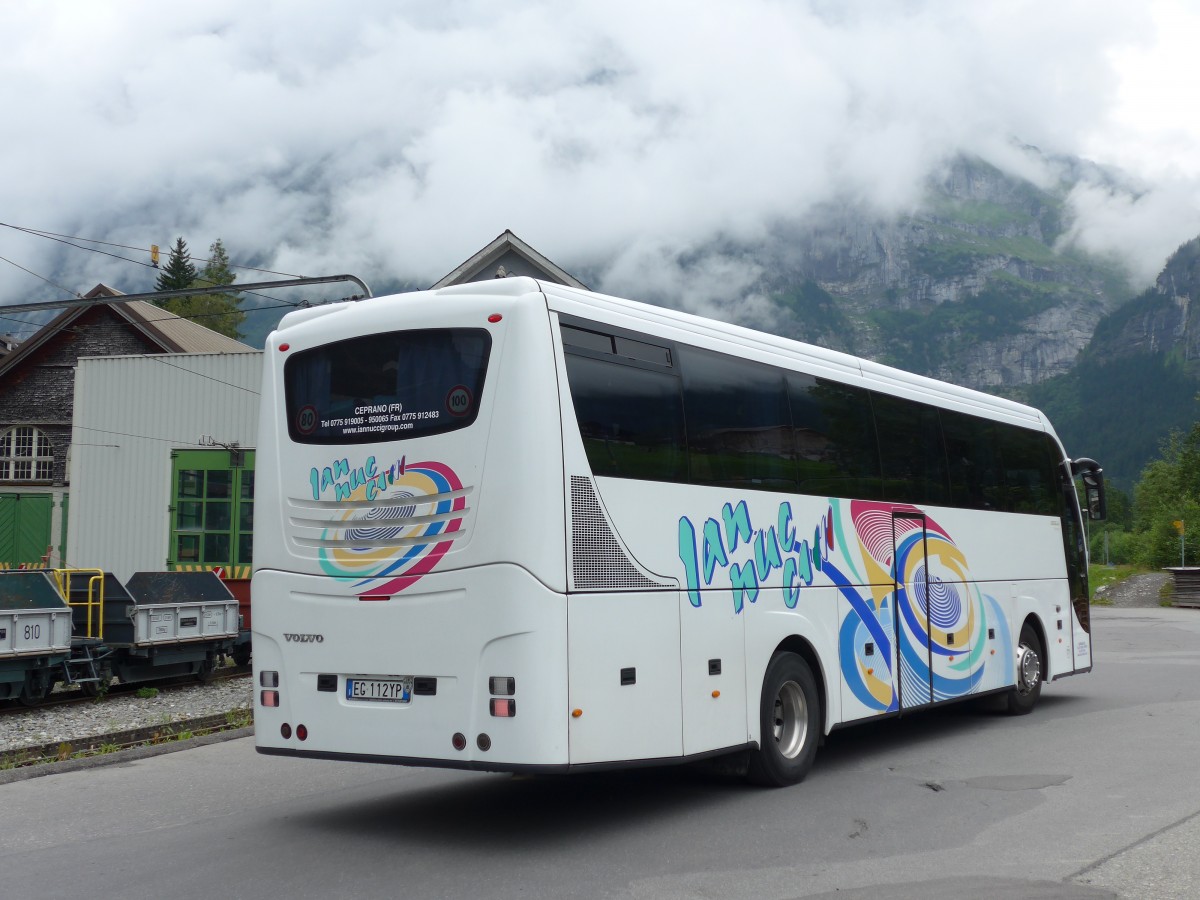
x: 304, y: 638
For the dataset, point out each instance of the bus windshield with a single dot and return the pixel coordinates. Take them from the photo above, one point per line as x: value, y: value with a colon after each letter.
x: 389, y: 386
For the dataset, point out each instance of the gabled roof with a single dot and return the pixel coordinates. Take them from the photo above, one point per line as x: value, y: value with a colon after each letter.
x: 508, y: 255
x: 164, y: 330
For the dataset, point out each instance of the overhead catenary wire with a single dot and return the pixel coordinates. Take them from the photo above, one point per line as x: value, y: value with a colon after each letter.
x: 38, y: 232
x: 67, y: 240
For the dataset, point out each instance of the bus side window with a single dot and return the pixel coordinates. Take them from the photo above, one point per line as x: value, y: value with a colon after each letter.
x: 1030, y: 472
x: 833, y: 436
x: 630, y: 418
x: 739, y: 427
x: 911, y: 450
x: 975, y: 474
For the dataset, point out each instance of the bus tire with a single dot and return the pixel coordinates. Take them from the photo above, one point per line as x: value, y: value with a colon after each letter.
x: 1023, y: 697
x: 789, y: 723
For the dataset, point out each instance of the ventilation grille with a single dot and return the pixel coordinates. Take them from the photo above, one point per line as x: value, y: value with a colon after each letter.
x: 597, y: 561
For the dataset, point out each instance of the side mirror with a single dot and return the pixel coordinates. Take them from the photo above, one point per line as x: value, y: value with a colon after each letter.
x: 1093, y: 487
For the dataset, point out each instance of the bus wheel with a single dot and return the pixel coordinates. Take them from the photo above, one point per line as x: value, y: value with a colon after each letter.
x: 1024, y: 696
x: 789, y: 723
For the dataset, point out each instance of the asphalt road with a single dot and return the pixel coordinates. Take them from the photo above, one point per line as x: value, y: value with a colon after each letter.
x: 1095, y: 794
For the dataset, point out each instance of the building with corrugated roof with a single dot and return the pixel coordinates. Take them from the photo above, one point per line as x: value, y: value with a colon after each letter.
x: 37, y: 393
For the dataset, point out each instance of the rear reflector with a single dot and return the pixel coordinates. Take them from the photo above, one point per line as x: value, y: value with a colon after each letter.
x: 504, y: 709
x: 375, y: 597
x: 269, y: 698
x: 302, y: 732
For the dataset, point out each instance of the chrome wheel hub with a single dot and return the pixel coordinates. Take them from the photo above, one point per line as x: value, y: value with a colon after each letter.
x: 1029, y: 669
x: 791, y: 720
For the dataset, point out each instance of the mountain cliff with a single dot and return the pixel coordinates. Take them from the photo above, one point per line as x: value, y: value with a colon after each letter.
x: 1138, y: 378
x: 975, y: 286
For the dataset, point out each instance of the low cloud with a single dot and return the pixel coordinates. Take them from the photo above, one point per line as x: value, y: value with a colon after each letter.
x: 394, y: 140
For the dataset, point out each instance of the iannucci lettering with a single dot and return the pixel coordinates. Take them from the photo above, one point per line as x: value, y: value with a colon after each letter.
x: 763, y: 552
x: 345, y: 481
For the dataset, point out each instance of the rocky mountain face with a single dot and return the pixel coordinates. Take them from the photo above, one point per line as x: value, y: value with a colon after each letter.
x: 971, y: 288
x: 1164, y: 319
x: 1138, y: 378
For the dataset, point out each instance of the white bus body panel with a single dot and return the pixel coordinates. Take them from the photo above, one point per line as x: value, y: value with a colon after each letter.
x: 624, y: 675
x: 461, y: 628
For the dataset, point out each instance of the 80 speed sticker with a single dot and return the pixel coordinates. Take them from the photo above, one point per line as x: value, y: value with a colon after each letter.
x: 306, y: 420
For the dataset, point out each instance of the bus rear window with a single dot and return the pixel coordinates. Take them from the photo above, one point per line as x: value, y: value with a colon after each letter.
x: 401, y: 384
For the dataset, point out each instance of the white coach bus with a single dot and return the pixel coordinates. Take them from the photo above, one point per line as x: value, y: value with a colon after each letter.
x: 514, y: 526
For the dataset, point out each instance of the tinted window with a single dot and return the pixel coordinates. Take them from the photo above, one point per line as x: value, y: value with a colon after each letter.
x: 833, y: 439
x: 976, y: 478
x: 910, y: 450
x: 739, y: 427
x: 391, y: 386
x: 588, y: 340
x: 1030, y: 471
x: 631, y: 419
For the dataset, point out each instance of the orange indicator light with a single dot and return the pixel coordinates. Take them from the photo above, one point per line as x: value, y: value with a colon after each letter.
x: 576, y: 713
x: 716, y: 694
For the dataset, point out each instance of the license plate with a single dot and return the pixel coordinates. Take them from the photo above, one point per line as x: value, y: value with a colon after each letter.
x: 389, y: 690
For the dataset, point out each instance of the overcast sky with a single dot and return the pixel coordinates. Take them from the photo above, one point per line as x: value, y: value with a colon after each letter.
x: 393, y: 140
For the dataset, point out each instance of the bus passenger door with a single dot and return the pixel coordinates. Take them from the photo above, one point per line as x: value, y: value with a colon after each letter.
x: 712, y: 640
x: 910, y: 571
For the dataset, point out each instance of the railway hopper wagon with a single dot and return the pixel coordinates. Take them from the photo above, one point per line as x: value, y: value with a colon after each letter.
x: 35, y: 635
x: 90, y: 628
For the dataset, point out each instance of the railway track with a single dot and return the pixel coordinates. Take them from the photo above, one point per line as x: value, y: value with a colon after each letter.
x: 76, y: 695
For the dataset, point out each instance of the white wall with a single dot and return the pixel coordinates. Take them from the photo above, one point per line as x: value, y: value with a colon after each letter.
x: 130, y: 413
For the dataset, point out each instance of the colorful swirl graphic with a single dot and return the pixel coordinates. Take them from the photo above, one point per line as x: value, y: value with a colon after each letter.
x: 918, y: 605
x: 392, y: 568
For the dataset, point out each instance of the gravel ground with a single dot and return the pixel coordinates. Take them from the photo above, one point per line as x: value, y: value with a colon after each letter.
x: 122, y: 712
x: 1135, y: 591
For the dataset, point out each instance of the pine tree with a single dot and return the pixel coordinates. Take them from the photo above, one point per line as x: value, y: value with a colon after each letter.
x: 179, y: 272
x: 218, y: 311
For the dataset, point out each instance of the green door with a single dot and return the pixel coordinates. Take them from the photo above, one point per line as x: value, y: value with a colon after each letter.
x: 212, y: 508
x: 24, y: 528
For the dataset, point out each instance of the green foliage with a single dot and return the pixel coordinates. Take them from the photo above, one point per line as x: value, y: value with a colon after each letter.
x: 147, y: 693
x: 1113, y: 545
x: 179, y: 272
x: 1167, y: 492
x: 219, y: 311
x: 1116, y: 409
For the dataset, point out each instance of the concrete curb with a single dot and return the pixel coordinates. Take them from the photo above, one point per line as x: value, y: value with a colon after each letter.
x: 24, y: 773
